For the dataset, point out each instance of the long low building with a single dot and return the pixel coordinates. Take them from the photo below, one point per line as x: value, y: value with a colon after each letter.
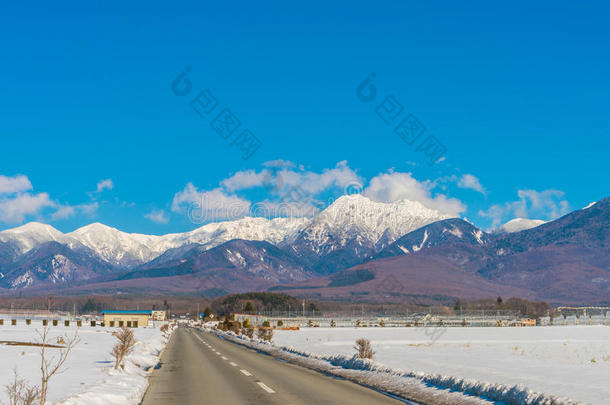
x: 131, y: 318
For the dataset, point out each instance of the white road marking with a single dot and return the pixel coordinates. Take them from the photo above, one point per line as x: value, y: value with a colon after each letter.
x: 218, y: 353
x: 263, y: 386
x: 246, y: 373
x: 224, y: 358
x: 233, y: 364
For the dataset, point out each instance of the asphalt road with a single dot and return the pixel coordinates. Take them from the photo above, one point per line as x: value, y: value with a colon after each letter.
x: 199, y: 368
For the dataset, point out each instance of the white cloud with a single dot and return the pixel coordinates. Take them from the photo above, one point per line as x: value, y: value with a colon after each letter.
x: 157, y: 216
x: 17, y: 202
x: 106, y: 184
x: 471, y: 182
x: 395, y: 186
x: 246, y: 179
x: 312, y: 183
x: 14, y: 210
x: 67, y: 211
x: 274, y: 209
x: 88, y: 209
x: 283, y: 177
x: 63, y: 212
x: 293, y: 191
x: 547, y: 204
x: 16, y: 184
x: 466, y: 181
x: 279, y: 163
x: 203, y: 206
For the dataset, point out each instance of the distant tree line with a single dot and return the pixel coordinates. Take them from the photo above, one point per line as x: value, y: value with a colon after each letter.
x: 254, y: 302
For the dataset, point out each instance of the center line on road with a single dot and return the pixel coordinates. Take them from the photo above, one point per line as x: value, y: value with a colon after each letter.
x: 233, y: 364
x: 263, y: 386
x: 224, y: 358
x: 246, y: 373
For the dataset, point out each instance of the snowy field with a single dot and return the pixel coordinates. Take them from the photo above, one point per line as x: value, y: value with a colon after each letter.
x: 569, y: 361
x: 89, y: 377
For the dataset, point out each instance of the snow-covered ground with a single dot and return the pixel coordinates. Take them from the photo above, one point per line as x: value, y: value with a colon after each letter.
x: 566, y: 361
x: 89, y: 377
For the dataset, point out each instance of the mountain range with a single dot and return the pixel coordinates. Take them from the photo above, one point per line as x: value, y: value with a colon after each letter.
x: 356, y: 249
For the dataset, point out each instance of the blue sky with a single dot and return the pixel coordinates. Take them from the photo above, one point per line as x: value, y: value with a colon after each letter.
x: 92, y: 131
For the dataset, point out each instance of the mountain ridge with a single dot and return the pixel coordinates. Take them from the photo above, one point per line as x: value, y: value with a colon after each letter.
x: 562, y: 260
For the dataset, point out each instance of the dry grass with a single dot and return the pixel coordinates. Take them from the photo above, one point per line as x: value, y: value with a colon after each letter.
x: 265, y: 334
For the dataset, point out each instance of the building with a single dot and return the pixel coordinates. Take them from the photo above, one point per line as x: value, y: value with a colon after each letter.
x: 130, y: 319
x: 158, y: 315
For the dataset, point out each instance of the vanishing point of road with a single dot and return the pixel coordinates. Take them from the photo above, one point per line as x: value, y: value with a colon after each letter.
x: 200, y: 368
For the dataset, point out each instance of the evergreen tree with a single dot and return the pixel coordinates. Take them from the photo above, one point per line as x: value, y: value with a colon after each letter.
x: 89, y: 307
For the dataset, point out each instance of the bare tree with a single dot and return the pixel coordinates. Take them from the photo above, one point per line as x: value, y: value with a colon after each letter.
x: 51, y: 366
x: 124, y: 346
x: 364, y: 349
x: 19, y: 392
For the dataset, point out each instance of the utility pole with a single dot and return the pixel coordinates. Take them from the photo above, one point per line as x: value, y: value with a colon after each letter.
x: 198, y: 313
x: 303, y: 308
x: 288, y: 310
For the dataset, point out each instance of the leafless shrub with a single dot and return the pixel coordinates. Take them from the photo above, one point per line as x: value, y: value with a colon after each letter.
x: 249, y: 332
x: 228, y: 325
x: 165, y: 330
x: 265, y: 334
x: 19, y: 392
x: 364, y: 350
x: 52, y: 366
x: 124, y: 346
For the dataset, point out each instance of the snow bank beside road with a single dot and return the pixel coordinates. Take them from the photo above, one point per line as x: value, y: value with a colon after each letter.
x: 416, y: 386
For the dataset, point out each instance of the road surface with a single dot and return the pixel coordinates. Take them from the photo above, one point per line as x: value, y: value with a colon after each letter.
x: 200, y: 368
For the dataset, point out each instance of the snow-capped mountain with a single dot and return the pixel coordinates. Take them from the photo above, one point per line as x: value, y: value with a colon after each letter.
x: 446, y: 232
x: 28, y: 236
x: 355, y: 227
x: 131, y: 249
x: 53, y: 263
x: 520, y: 224
x: 259, y: 259
x: 123, y: 249
x: 567, y: 257
x: 113, y: 246
x: 566, y: 260
x: 351, y: 229
x: 274, y: 231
